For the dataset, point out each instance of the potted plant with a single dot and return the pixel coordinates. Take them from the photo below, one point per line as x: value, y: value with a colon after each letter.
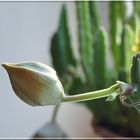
x: 98, y: 78
x: 95, y: 44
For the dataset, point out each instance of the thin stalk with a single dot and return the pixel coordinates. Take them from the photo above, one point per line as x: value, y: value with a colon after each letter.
x: 93, y: 95
x: 55, y: 112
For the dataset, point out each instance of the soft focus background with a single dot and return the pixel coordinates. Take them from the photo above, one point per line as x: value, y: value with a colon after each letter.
x: 25, y: 32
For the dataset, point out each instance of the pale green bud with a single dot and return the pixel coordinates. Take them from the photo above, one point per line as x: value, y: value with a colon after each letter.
x: 35, y: 83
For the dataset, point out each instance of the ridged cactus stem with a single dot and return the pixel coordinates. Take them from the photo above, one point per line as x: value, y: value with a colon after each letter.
x: 85, y: 39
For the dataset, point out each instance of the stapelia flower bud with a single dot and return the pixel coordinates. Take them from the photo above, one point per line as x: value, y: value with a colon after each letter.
x: 35, y: 83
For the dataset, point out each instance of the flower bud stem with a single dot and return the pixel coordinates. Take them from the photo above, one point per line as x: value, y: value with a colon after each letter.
x: 55, y: 112
x: 93, y: 95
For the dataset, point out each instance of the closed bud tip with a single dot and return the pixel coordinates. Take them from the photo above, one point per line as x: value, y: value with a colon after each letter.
x: 35, y: 83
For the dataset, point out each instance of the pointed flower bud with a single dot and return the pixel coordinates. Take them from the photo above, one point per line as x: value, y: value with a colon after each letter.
x: 35, y: 83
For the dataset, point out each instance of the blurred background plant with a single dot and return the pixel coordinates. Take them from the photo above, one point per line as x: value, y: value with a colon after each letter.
x: 104, y: 57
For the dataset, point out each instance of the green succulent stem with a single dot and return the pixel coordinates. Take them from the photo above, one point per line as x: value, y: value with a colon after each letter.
x: 116, y: 88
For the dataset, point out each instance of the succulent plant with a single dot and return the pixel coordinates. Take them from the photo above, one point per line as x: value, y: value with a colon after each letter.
x: 94, y: 45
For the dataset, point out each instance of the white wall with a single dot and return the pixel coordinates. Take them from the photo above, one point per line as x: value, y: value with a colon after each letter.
x: 25, y: 32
